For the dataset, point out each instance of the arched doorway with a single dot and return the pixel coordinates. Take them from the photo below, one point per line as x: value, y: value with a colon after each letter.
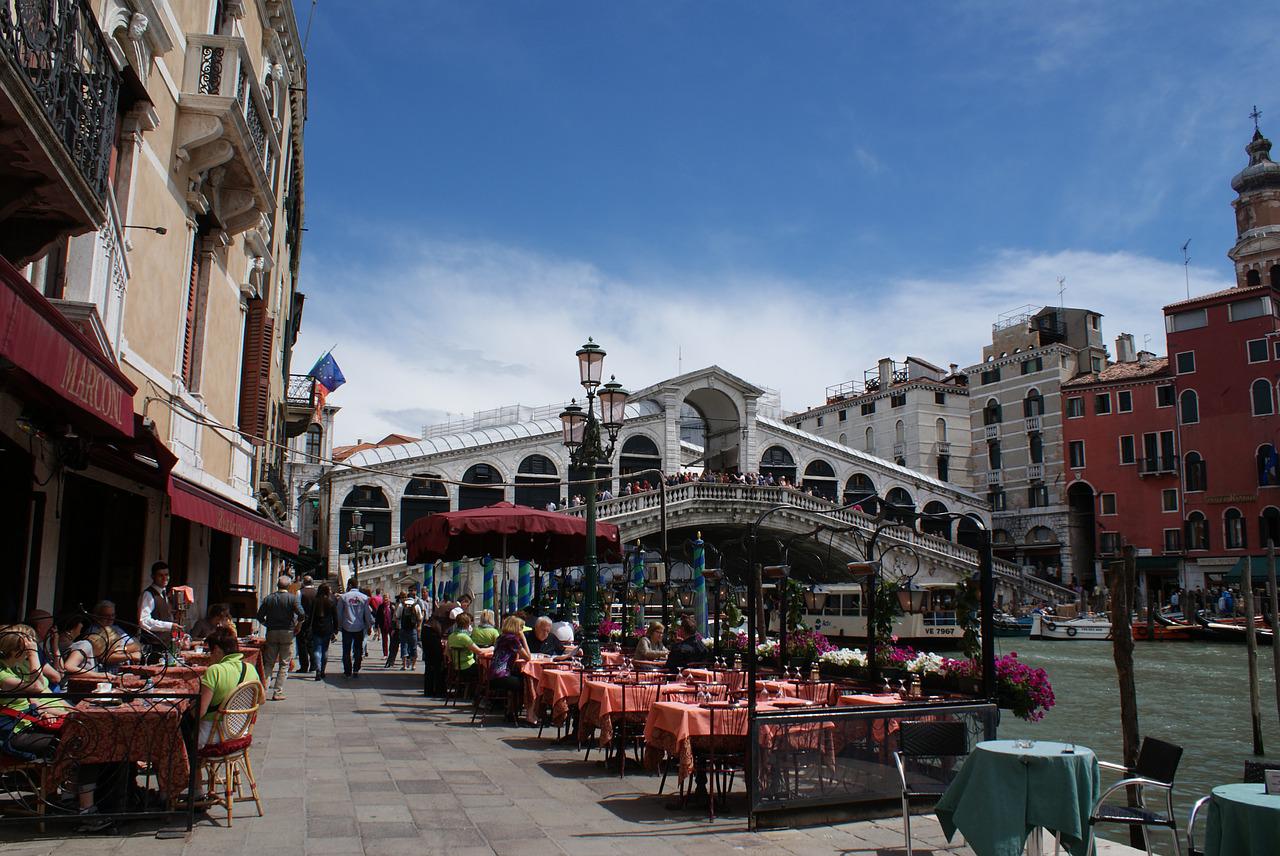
x: 968, y: 531
x: 375, y: 517
x: 1082, y: 531
x: 639, y: 453
x: 820, y: 477
x: 900, y: 506
x: 473, y: 493
x: 714, y: 416
x: 777, y: 462
x: 537, y: 482
x: 422, y: 497
x: 941, y: 528
x: 862, y: 490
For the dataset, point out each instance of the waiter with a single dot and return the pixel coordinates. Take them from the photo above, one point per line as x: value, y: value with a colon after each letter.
x: 154, y: 614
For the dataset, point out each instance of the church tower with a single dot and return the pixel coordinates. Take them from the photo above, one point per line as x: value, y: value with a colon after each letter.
x: 1257, y: 250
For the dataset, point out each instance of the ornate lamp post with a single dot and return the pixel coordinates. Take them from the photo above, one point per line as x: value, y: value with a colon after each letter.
x: 356, y: 540
x: 588, y: 449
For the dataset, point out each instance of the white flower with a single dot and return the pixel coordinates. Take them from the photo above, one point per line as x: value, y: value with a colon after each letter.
x: 767, y: 648
x: 925, y: 663
x: 844, y: 657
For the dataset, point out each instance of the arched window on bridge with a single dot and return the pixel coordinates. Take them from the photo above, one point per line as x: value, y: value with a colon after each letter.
x: 862, y: 490
x: 422, y: 497
x: 821, y: 478
x: 941, y: 528
x: 375, y: 517
x: 777, y: 462
x: 473, y: 493
x: 639, y: 453
x: 900, y: 506
x: 537, y: 482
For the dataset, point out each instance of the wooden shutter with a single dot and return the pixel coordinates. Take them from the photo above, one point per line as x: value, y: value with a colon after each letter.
x: 264, y: 373
x: 189, y: 327
x: 257, y: 343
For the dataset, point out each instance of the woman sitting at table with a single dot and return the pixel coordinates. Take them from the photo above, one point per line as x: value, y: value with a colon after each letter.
x: 504, y: 669
x: 650, y: 647
x: 219, y: 615
x: 463, y: 649
x: 484, y: 634
x: 78, y: 655
x: 228, y: 671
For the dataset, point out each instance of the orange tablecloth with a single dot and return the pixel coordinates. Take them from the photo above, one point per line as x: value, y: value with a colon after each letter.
x: 612, y: 658
x: 146, y: 730
x: 672, y: 725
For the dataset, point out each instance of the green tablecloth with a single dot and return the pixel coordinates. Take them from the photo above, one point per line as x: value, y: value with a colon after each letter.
x: 1243, y: 821
x: 1002, y: 793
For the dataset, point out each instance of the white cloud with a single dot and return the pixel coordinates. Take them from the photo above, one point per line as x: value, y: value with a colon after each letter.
x: 457, y: 327
x: 867, y: 160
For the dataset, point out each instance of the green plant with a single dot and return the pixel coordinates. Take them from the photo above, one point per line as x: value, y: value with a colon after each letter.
x: 794, y: 604
x: 967, y: 610
x: 887, y: 608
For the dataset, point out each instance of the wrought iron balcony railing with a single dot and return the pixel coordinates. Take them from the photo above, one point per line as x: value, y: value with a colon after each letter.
x: 301, y: 392
x: 57, y: 47
x: 225, y: 69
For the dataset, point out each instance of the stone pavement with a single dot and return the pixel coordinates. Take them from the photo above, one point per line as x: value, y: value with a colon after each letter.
x: 369, y: 766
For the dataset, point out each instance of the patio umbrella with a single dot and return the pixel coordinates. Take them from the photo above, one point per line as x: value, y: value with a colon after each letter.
x: 510, y: 531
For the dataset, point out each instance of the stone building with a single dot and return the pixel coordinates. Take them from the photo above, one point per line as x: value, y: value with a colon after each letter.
x: 1016, y: 423
x: 163, y: 248
x: 912, y: 413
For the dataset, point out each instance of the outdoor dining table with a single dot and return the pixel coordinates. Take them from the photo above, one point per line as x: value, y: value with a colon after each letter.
x: 604, y: 702
x: 1005, y: 790
x: 1243, y: 820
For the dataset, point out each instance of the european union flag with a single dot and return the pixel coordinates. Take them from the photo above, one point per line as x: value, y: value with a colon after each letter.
x: 327, y: 373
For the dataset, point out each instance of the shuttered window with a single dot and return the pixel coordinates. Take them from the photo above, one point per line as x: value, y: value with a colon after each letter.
x: 255, y: 372
x: 189, y: 326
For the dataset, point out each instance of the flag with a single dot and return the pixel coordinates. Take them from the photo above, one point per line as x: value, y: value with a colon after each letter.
x: 328, y: 377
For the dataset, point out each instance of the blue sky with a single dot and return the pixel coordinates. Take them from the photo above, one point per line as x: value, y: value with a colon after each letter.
x: 788, y: 189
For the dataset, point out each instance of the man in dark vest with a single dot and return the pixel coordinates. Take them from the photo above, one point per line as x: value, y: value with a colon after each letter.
x: 155, y: 618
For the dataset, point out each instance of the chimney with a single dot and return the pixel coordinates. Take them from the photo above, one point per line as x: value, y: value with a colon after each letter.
x: 955, y: 367
x: 1124, y: 349
x: 886, y: 372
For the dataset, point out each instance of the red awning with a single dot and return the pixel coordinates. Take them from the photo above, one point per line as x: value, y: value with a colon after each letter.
x: 44, y: 345
x: 201, y: 506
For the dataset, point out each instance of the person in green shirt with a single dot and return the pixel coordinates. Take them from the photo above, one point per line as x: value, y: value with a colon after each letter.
x: 228, y: 671
x: 462, y: 649
x: 485, y: 634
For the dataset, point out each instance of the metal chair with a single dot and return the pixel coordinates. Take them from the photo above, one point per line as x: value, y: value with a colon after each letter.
x: 1157, y: 764
x: 819, y: 692
x: 628, y: 724
x: 918, y: 741
x: 225, y: 758
x: 1192, y: 850
x: 722, y: 754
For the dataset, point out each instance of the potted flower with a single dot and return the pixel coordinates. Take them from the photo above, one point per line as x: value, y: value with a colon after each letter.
x: 843, y: 663
x: 1020, y: 688
x: 610, y: 631
x: 806, y: 646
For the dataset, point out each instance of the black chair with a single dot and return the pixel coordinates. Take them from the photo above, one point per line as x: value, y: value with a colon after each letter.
x: 1156, y: 767
x: 1192, y: 850
x: 722, y: 754
x: 919, y: 743
x: 628, y: 724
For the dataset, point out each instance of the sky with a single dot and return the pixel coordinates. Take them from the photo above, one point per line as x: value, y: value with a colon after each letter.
x: 789, y: 190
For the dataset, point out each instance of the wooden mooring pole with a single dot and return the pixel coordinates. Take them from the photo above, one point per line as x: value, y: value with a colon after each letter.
x: 1123, y: 582
x: 1251, y: 646
x: 1275, y: 620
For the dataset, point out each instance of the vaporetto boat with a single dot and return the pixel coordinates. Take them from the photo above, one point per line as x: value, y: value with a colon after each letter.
x: 1045, y: 626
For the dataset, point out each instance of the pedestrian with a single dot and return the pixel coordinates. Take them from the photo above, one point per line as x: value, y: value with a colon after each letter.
x: 281, y: 614
x: 302, y: 641
x: 322, y: 618
x: 355, y: 619
x: 392, y: 632
x: 409, y: 617
x: 384, y: 613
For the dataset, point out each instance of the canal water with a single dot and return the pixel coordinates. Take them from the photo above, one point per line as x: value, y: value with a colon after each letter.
x: 1194, y: 694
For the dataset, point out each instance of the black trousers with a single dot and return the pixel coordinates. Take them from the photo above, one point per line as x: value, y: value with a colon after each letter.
x: 433, y: 660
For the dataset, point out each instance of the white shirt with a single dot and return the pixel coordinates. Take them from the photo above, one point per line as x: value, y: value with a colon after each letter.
x: 147, y: 603
x: 563, y: 630
x: 90, y: 664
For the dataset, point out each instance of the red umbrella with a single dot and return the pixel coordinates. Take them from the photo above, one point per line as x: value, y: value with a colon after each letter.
x: 504, y: 531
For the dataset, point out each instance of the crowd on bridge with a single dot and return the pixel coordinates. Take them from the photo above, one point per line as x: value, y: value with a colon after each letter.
x: 636, y: 487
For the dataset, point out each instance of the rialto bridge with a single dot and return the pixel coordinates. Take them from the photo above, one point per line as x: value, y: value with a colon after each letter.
x: 707, y: 419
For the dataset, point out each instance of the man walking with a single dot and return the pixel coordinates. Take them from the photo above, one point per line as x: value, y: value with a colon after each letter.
x: 281, y: 614
x: 409, y: 616
x: 307, y: 596
x: 355, y: 619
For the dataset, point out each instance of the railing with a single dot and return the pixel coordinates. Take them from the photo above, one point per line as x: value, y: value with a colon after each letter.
x: 270, y: 479
x: 112, y: 275
x: 1031, y: 423
x: 993, y: 476
x: 899, y: 449
x: 944, y: 447
x: 841, y: 391
x: 380, y: 557
x: 991, y: 432
x: 223, y: 68
x: 1158, y: 466
x: 1035, y: 471
x: 58, y: 48
x: 301, y: 391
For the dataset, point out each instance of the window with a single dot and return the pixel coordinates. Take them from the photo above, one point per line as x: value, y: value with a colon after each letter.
x: 1108, y: 502
x: 1102, y: 403
x: 1127, y: 453
x: 1172, y: 541
x: 939, y: 398
x: 1034, y: 365
x: 197, y: 295
x: 1197, y: 478
x: 1035, y: 445
x: 940, y: 430
x: 1186, y: 362
x: 1095, y: 365
x: 844, y: 439
x: 1075, y: 408
x: 868, y: 408
x: 1242, y: 310
x: 944, y: 468
x: 1124, y: 401
x: 314, y: 443
x: 1192, y: 319
x: 1033, y: 404
x: 1233, y: 529
x: 819, y: 421
x: 1197, y: 531
x: 1269, y: 526
x: 995, y: 495
x: 1169, y: 499
x: 1109, y: 543
x: 992, y: 413
x: 1037, y: 495
x: 898, y: 400
x: 870, y: 442
x: 1267, y: 467
x: 1277, y: 349
x: 1190, y: 407
x: 843, y: 415
x: 899, y: 432
x: 993, y: 455
x: 1093, y: 322
x: 991, y: 376
x: 1076, y: 451
x: 1164, y: 395
x: 1257, y: 350
x: 1260, y: 396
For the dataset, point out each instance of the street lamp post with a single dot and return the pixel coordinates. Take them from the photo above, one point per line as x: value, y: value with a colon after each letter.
x: 356, y: 540
x: 587, y: 448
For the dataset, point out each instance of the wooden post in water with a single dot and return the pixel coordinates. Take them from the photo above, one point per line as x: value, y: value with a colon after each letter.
x: 1124, y: 575
x: 1275, y: 620
x: 1251, y: 646
x: 1153, y: 604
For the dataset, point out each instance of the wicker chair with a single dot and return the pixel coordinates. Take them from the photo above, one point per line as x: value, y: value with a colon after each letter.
x: 225, y: 758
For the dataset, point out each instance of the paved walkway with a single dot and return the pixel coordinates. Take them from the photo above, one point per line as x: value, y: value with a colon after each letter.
x: 368, y: 766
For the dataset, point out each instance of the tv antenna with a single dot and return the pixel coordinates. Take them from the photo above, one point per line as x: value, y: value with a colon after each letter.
x: 1062, y: 288
x: 1186, y: 266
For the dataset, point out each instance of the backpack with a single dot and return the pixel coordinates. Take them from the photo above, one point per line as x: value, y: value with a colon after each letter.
x: 409, y: 617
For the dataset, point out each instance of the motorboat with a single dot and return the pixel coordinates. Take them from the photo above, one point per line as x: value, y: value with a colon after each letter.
x: 1007, y: 625
x: 1047, y: 626
x: 1163, y: 629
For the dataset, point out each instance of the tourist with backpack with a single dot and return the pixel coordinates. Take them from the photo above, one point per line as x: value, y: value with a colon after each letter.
x: 409, y: 617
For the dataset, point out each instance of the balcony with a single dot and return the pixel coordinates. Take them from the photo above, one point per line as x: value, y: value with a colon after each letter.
x: 991, y: 432
x: 1158, y: 466
x: 899, y: 449
x: 272, y: 494
x: 1035, y: 471
x: 299, y: 404
x: 58, y: 95
x: 227, y: 136
x: 1031, y: 423
x: 993, y: 477
x: 944, y: 447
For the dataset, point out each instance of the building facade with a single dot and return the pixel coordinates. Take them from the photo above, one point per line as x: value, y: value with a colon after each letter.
x: 1015, y: 412
x: 912, y: 413
x: 172, y: 250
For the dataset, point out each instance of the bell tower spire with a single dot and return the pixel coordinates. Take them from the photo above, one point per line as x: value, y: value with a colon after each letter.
x: 1257, y: 249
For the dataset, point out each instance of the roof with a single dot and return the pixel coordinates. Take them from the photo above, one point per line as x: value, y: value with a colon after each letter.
x: 375, y: 455
x: 1234, y: 291
x: 1122, y: 372
x: 341, y: 453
